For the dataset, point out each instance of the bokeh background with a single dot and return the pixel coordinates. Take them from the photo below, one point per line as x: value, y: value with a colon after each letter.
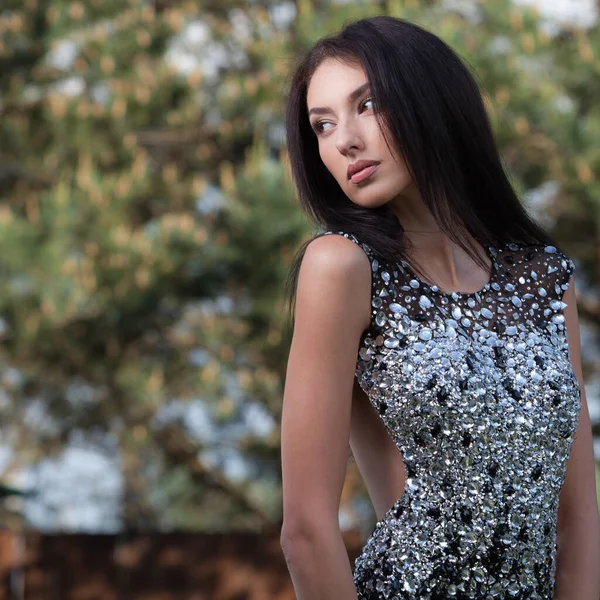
x: 147, y: 222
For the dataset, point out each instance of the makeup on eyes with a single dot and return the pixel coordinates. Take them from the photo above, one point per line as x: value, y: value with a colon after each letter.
x: 316, y: 126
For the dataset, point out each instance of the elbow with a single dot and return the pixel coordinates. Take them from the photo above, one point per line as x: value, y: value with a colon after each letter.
x: 298, y: 534
x: 285, y: 538
x: 294, y: 533
x: 293, y: 541
x: 286, y: 541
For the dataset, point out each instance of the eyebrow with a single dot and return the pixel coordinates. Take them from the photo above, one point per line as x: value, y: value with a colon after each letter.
x: 322, y: 110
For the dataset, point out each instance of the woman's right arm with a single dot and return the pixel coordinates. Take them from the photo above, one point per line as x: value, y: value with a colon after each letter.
x: 333, y: 303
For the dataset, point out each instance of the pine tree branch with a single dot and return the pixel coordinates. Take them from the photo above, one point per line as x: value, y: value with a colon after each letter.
x: 181, y: 451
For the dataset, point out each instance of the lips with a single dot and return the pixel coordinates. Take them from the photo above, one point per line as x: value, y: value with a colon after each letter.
x: 357, y: 167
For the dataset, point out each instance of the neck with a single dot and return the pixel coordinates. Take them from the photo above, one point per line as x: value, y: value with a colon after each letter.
x: 442, y: 260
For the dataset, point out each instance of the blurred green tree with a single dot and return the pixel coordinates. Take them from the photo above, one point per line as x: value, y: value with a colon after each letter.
x: 125, y: 301
x: 147, y: 221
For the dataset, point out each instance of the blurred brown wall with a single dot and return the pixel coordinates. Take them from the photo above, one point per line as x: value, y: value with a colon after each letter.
x: 178, y: 566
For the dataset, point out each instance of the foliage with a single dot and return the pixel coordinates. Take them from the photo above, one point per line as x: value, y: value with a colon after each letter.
x: 147, y: 221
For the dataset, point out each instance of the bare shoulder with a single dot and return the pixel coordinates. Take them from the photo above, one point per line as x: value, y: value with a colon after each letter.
x: 336, y: 270
x: 338, y: 253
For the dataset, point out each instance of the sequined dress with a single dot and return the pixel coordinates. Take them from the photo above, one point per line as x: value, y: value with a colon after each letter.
x: 478, y: 393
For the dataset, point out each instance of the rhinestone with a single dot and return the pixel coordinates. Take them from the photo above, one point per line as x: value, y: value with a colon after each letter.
x: 479, y: 575
x: 425, y: 333
x: 425, y: 302
x: 557, y: 305
x: 380, y: 319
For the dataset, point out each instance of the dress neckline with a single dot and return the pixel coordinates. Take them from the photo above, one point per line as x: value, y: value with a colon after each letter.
x: 491, y: 251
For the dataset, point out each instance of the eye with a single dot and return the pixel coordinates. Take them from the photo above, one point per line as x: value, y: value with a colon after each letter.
x: 366, y: 101
x: 318, y: 126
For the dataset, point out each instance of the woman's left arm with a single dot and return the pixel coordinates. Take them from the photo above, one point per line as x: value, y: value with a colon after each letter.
x: 578, y: 527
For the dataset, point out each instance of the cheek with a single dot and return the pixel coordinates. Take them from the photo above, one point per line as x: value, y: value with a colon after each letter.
x: 333, y: 163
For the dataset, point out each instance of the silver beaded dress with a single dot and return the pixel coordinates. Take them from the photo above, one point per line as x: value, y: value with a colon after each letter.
x: 478, y: 393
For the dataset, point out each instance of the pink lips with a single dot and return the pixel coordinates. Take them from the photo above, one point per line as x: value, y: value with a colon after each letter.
x: 363, y: 173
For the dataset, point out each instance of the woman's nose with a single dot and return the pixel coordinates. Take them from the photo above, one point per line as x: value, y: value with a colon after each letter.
x: 348, y: 138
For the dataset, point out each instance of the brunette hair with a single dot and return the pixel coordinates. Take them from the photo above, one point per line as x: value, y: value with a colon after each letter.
x: 430, y: 108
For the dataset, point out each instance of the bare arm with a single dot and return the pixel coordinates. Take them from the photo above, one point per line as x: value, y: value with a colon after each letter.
x: 333, y: 304
x: 578, y: 529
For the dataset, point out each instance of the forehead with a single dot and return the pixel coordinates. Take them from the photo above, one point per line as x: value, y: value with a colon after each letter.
x: 333, y: 80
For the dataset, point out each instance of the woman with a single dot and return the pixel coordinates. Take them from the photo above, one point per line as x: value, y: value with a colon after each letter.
x: 436, y: 333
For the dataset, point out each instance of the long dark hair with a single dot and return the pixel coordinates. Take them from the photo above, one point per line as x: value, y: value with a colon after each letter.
x: 430, y: 108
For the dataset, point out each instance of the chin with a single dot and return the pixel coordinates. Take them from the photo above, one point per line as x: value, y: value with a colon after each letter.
x: 371, y: 198
x: 371, y: 202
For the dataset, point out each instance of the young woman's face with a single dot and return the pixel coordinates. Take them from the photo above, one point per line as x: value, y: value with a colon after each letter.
x: 341, y: 114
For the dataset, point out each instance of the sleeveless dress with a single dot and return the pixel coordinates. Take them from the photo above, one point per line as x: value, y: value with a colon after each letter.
x: 478, y: 393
